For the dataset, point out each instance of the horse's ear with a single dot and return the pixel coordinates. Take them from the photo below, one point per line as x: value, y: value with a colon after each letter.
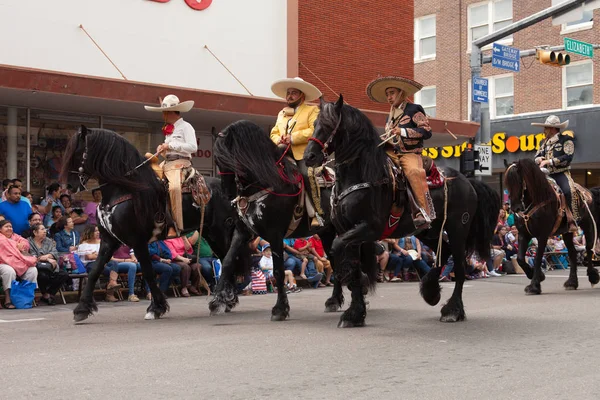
x: 83, y: 130
x: 339, y: 104
x: 505, y: 163
x: 321, y: 102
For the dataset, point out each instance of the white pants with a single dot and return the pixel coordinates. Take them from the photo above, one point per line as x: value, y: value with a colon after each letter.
x: 8, y: 274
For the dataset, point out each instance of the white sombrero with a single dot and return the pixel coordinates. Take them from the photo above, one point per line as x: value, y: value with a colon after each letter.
x: 280, y: 87
x: 552, y: 122
x: 171, y: 103
x: 376, y: 89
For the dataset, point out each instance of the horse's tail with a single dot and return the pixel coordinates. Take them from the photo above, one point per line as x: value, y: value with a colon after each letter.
x: 484, y: 221
x: 369, y: 264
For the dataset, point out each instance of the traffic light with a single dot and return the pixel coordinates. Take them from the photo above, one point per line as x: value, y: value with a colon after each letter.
x: 554, y: 58
x: 469, y: 161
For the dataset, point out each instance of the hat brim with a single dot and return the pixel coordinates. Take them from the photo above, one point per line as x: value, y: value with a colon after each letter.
x: 562, y: 125
x: 184, y: 106
x: 376, y: 89
x: 280, y: 87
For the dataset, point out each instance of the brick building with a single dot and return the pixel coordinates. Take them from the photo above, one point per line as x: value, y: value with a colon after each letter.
x: 351, y: 43
x: 444, y: 30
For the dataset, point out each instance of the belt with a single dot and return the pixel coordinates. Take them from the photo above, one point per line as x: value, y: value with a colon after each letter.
x: 175, y: 158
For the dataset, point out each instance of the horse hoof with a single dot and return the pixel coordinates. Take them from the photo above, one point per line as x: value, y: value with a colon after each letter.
x: 278, y: 317
x: 571, y: 285
x: 332, y: 308
x: 216, y: 308
x: 150, y: 316
x: 349, y: 324
x: 452, y: 318
x: 530, y: 290
x: 570, y: 288
x: 79, y: 318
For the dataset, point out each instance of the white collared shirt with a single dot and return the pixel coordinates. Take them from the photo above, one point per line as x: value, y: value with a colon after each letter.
x: 182, y: 142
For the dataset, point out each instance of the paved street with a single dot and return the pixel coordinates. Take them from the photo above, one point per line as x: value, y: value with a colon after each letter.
x: 511, y: 347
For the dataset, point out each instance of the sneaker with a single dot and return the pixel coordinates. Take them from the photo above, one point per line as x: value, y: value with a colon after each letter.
x: 296, y: 289
x: 395, y: 279
x: 494, y: 273
x: 499, y: 272
x: 133, y: 298
x: 445, y: 279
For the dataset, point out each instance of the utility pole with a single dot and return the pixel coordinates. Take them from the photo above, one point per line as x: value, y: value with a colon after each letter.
x: 477, y: 59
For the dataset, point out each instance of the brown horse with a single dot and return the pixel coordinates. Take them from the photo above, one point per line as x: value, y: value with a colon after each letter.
x: 539, y: 214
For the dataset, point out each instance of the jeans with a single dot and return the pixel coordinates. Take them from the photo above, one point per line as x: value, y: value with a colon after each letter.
x: 131, y: 269
x: 395, y: 264
x: 449, y: 267
x: 420, y: 266
x: 293, y: 264
x: 206, y: 269
x: 165, y: 272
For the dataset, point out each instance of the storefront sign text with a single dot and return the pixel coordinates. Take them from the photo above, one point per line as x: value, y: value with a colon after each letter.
x: 500, y: 143
x: 195, y: 4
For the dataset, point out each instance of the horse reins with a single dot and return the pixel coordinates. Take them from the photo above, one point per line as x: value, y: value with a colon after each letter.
x: 325, y: 146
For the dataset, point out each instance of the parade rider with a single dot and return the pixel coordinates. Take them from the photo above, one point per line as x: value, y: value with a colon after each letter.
x: 295, y: 125
x: 180, y: 143
x: 556, y: 154
x: 406, y: 128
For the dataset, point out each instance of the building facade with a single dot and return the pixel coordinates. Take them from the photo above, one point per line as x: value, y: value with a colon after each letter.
x: 443, y: 32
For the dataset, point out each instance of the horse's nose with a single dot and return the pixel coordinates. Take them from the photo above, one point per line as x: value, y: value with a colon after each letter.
x: 310, y: 157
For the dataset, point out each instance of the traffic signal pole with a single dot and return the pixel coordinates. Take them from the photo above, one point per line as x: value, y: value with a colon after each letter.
x: 477, y: 59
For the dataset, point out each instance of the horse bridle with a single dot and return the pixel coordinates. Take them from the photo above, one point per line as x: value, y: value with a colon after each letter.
x: 325, y: 146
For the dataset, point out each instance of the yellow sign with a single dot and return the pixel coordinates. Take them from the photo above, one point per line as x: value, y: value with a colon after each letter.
x: 500, y: 143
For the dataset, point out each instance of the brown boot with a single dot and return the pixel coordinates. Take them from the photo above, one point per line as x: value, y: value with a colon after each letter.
x: 420, y: 221
x: 111, y: 286
x: 314, y: 223
x: 572, y: 226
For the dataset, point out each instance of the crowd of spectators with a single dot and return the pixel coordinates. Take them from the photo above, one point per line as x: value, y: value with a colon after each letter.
x: 49, y: 242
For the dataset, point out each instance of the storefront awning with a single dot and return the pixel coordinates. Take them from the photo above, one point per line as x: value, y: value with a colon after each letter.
x: 57, y: 91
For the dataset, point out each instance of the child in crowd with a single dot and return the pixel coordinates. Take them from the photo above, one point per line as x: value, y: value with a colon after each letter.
x: 266, y: 265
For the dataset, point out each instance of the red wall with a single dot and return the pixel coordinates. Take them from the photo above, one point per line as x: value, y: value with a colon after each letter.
x: 349, y: 43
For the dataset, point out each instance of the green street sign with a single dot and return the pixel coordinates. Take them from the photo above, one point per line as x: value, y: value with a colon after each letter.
x: 577, y: 47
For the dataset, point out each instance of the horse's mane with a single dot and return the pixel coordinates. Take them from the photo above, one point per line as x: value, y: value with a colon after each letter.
x: 358, y: 139
x: 111, y: 158
x: 244, y: 148
x: 114, y: 160
x: 527, y: 172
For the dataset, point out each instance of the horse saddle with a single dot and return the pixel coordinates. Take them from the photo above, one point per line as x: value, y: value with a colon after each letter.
x: 191, y: 181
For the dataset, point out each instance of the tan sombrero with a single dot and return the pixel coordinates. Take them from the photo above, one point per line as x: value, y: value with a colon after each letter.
x: 376, y: 89
x: 171, y: 103
x: 280, y: 88
x: 552, y: 122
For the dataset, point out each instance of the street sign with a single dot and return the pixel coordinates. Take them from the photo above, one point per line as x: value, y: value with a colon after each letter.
x: 505, y: 57
x: 485, y: 160
x: 577, y: 47
x: 480, y: 90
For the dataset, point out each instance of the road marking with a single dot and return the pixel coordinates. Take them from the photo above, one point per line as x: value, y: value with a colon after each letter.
x: 2, y: 321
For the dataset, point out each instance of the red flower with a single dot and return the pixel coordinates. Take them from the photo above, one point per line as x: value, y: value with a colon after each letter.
x: 168, y: 129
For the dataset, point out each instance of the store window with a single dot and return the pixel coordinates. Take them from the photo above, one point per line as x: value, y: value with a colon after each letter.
x: 578, y: 84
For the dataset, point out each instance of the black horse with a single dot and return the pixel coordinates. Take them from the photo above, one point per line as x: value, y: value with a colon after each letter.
x: 134, y: 206
x: 536, y: 208
x: 363, y: 197
x: 267, y: 187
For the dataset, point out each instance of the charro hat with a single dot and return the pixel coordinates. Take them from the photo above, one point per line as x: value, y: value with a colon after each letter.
x: 171, y: 103
x: 280, y: 88
x: 376, y: 89
x: 552, y: 122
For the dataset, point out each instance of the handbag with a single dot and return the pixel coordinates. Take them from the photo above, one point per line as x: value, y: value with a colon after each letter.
x: 45, y: 266
x: 80, y: 265
x: 22, y: 294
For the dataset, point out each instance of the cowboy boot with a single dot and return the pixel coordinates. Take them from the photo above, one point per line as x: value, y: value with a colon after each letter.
x: 571, y: 224
x: 111, y: 286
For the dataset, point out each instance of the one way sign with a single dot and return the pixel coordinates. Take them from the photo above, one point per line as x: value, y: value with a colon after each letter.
x: 485, y: 160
